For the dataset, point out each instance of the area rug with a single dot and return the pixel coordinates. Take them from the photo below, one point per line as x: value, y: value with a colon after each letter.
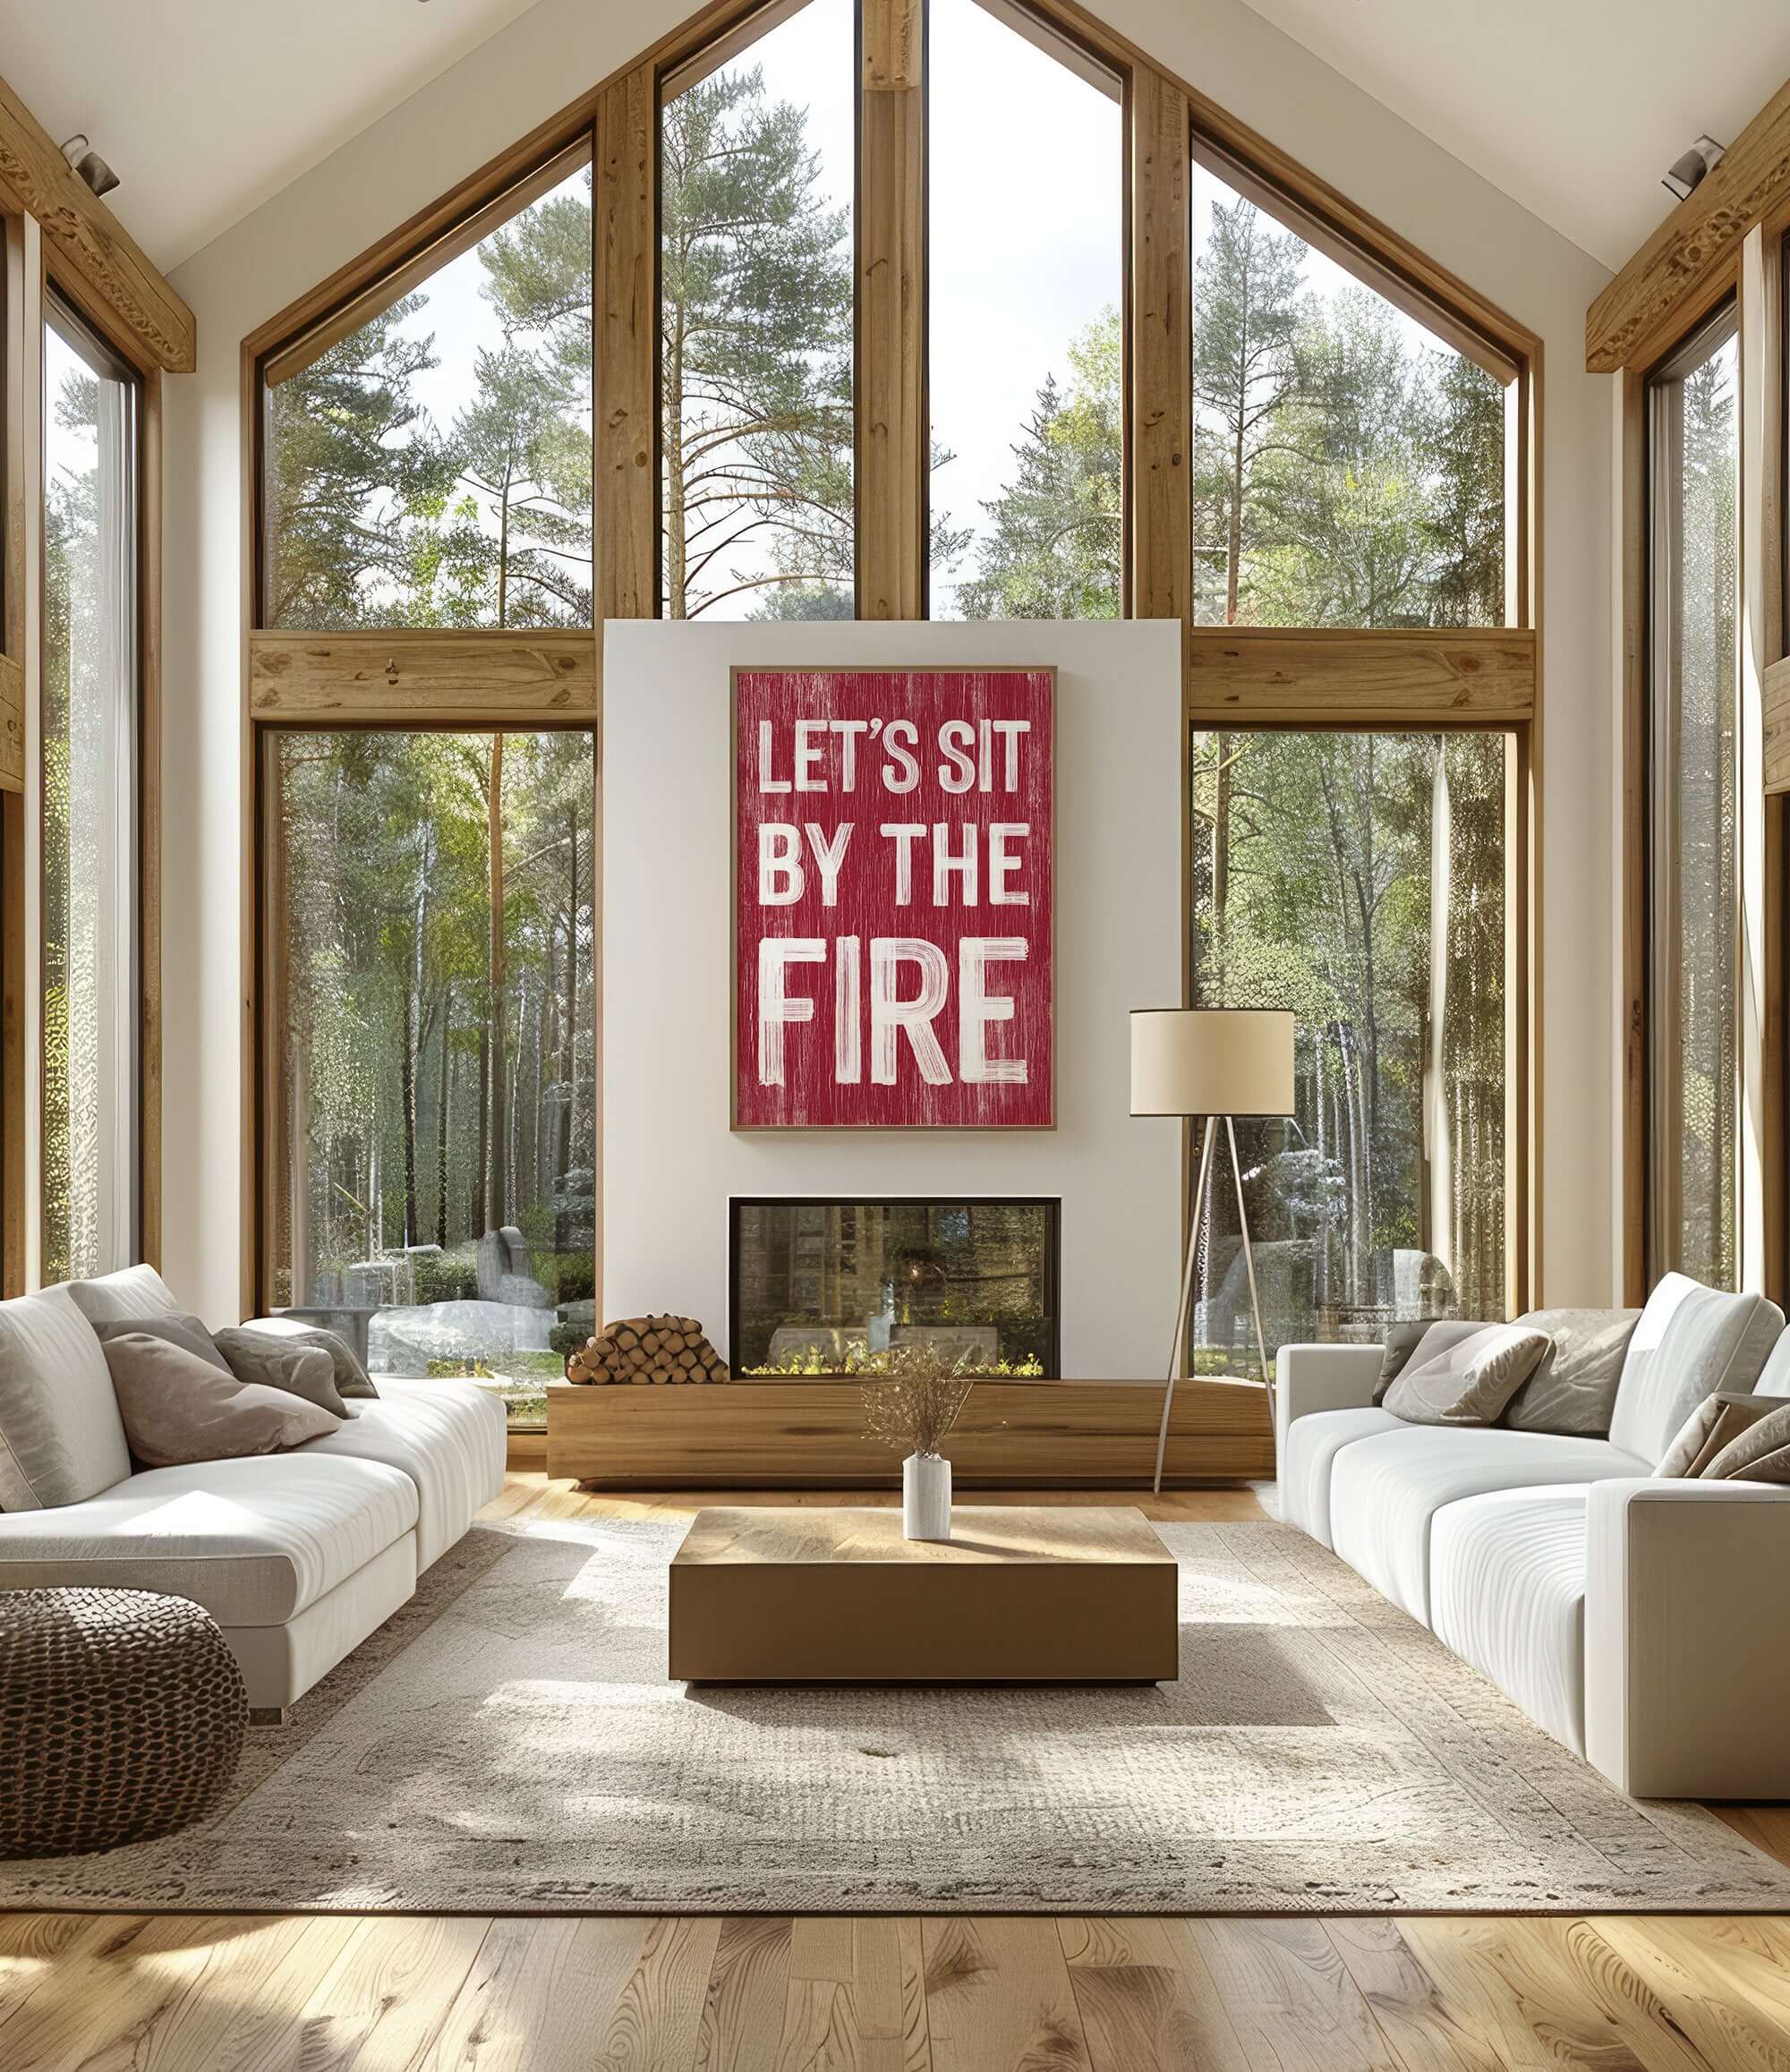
x: 511, y: 1745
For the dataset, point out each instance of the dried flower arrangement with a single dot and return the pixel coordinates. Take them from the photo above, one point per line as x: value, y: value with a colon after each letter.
x: 913, y: 1396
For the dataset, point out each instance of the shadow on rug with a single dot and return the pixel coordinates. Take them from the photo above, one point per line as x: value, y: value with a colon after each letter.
x: 509, y: 1743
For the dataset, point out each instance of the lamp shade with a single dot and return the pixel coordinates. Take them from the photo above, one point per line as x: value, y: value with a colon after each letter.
x: 1211, y: 1060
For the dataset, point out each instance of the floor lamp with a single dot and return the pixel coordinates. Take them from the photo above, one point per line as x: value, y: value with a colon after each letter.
x: 1220, y: 1062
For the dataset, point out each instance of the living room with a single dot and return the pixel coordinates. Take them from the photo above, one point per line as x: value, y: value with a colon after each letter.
x: 892, y: 1097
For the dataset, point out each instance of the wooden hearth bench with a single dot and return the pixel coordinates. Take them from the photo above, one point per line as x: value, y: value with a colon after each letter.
x: 802, y: 1433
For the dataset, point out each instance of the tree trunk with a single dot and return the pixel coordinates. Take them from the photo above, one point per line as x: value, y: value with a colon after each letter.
x: 446, y: 1081
x: 496, y: 1193
x: 568, y: 1028
x: 476, y: 1217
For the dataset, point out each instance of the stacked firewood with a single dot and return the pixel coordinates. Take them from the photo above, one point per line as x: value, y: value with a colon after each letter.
x: 647, y: 1349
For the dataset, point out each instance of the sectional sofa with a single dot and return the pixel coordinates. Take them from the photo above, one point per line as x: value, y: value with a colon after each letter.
x: 1643, y: 1621
x: 298, y: 1555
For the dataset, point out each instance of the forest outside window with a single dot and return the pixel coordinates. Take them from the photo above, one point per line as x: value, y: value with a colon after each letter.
x: 427, y: 451
x: 89, y: 996
x: 755, y: 182
x: 1363, y: 881
x: 1024, y: 354
x: 1694, y: 1209
x: 428, y: 1045
x: 1353, y: 447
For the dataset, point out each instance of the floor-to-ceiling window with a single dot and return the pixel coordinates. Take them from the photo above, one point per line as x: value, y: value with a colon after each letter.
x: 1693, y: 1061
x: 89, y: 999
x: 1024, y: 348
x: 755, y: 169
x: 1360, y: 879
x: 430, y: 1044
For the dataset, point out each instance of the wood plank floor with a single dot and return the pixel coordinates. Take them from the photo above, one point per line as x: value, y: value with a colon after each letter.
x: 390, y: 1993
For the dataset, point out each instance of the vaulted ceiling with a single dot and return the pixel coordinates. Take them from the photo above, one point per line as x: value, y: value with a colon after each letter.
x: 1572, y: 107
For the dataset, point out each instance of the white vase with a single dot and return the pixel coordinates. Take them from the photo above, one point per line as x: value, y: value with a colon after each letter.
x: 926, y: 1496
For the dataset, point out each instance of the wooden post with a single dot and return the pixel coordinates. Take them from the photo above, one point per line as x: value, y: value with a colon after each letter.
x: 626, y: 516
x: 893, y: 442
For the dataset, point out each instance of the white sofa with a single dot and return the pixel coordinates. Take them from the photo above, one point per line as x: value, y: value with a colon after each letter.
x: 298, y: 1555
x: 1642, y: 1621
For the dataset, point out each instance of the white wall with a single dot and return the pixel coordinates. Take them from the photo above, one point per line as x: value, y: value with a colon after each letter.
x: 670, y: 1159
x: 516, y: 81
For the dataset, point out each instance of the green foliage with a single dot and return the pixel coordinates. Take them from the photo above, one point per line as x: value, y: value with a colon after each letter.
x: 860, y: 1360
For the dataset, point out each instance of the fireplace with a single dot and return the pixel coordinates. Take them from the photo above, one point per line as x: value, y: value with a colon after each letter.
x: 815, y: 1285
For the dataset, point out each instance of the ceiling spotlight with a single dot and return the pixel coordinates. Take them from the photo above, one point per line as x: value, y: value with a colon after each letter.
x: 1687, y: 173
x: 88, y: 165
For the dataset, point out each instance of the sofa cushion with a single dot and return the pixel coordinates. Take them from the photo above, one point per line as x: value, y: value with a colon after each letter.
x: 1384, y: 1490
x: 1469, y: 1377
x: 131, y: 1292
x: 1308, y: 1456
x: 449, y: 1437
x: 255, y: 1540
x: 1574, y: 1391
x: 1507, y: 1593
x: 61, y: 1437
x: 1774, y: 1376
x: 1691, y: 1342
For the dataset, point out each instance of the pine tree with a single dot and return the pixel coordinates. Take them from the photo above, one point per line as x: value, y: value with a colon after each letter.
x: 1054, y: 548
x: 756, y: 343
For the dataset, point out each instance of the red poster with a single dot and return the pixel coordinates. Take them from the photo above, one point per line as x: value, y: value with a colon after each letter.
x: 892, y: 942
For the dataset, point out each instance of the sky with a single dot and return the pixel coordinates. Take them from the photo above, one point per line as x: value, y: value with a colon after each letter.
x: 1025, y: 234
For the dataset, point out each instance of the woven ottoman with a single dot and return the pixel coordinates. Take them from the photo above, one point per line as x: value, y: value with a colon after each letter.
x: 122, y: 1716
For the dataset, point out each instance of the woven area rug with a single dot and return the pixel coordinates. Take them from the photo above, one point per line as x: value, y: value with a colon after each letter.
x: 510, y: 1745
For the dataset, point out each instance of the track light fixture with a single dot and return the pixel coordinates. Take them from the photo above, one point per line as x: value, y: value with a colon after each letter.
x: 1686, y: 173
x: 88, y: 165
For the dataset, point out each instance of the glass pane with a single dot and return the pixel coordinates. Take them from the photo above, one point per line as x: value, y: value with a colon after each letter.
x: 1693, y: 1023
x: 756, y: 314
x: 821, y: 1286
x: 1360, y: 881
x: 89, y: 803
x: 433, y: 467
x: 430, y: 1098
x: 1349, y: 465
x: 1025, y: 364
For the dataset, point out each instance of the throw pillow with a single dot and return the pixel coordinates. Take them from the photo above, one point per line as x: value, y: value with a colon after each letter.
x: 1759, y: 1453
x: 1465, y: 1379
x: 1710, y: 1427
x: 306, y: 1370
x: 61, y: 1439
x: 1574, y: 1391
x: 351, y: 1378
x: 178, y: 1408
x: 179, y: 1329
x: 1401, y: 1342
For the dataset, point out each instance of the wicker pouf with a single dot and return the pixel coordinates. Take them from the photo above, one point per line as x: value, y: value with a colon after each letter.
x: 122, y: 1716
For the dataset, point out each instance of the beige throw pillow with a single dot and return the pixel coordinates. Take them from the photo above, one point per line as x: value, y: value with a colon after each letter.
x: 306, y: 1370
x: 1710, y: 1428
x: 178, y: 1408
x: 176, y: 1326
x: 1456, y: 1378
x: 352, y: 1378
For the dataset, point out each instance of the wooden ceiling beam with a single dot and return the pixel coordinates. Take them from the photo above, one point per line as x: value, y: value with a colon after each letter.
x: 1670, y: 282
x: 83, y: 234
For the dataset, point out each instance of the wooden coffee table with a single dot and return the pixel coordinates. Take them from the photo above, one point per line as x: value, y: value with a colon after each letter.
x: 1068, y: 1595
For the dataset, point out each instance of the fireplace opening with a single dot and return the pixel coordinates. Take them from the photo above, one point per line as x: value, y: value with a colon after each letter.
x: 818, y: 1285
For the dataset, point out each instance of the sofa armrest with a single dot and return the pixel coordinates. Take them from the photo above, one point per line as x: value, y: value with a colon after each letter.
x: 1687, y: 1637
x: 1314, y: 1377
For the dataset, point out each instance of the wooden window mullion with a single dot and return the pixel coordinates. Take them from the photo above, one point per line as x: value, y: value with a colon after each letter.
x: 890, y: 406
x: 1161, y: 413
x: 625, y: 228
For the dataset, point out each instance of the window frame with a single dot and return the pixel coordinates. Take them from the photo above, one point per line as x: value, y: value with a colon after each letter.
x: 1239, y: 678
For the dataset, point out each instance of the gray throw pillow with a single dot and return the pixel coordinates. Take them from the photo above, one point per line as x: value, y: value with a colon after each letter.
x: 305, y: 1370
x: 178, y: 1408
x: 1401, y: 1342
x: 1465, y: 1379
x: 1574, y: 1391
x: 1710, y: 1428
x: 352, y: 1378
x: 178, y: 1328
